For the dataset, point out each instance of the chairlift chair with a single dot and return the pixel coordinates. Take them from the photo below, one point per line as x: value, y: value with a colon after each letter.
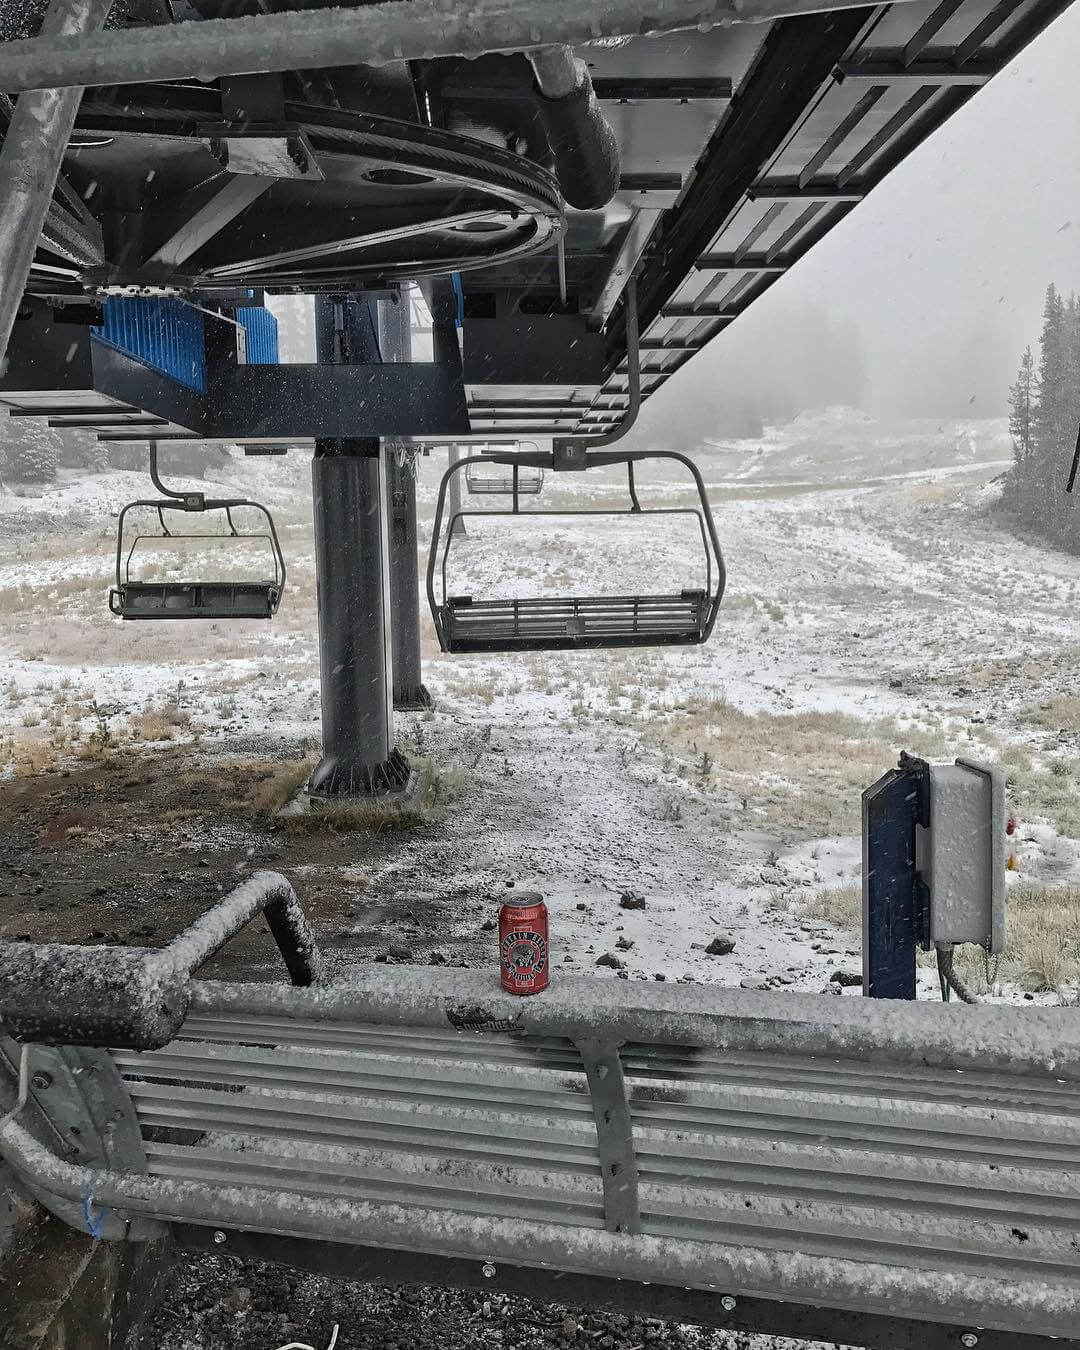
x: 466, y: 623
x: 529, y: 483
x: 200, y: 599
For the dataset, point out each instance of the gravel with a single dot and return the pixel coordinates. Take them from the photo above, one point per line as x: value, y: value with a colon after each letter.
x: 222, y: 1303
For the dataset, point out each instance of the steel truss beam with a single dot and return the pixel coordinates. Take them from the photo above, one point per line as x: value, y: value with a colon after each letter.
x: 205, y: 212
x: 665, y: 88
x: 940, y: 73
x: 729, y: 262
x: 375, y: 34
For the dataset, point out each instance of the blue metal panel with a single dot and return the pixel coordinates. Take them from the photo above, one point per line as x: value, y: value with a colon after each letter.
x: 891, y: 808
x: 165, y: 334
x: 262, y: 335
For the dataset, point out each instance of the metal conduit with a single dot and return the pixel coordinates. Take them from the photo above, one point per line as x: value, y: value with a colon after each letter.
x: 374, y: 34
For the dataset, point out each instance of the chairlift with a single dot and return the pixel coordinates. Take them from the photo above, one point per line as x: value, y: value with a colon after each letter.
x: 481, y: 482
x: 199, y: 599
x: 466, y: 623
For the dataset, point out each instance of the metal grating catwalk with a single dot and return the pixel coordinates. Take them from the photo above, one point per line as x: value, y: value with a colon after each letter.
x: 821, y: 111
x: 740, y: 147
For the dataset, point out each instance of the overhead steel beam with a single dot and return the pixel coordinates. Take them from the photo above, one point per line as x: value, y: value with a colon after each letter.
x: 728, y: 262
x: 698, y: 312
x: 651, y: 182
x: 203, y: 218
x: 74, y: 236
x: 665, y: 88
x: 333, y: 247
x: 33, y: 150
x: 843, y: 130
x: 375, y: 34
x: 638, y: 232
x: 930, y: 29
x: 941, y: 73
x: 793, y: 192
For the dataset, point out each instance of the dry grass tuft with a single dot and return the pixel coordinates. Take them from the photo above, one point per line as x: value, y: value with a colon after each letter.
x: 839, y: 906
x: 1042, y: 952
x: 799, y: 774
x: 377, y: 816
x: 1061, y: 713
x: 158, y: 724
x: 1043, y: 936
x: 434, y: 788
x: 1044, y: 788
x: 280, y: 786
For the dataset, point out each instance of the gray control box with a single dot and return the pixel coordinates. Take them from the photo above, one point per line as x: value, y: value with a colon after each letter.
x: 961, y: 856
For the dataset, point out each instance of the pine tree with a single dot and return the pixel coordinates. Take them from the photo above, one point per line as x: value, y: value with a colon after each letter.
x: 30, y: 454
x: 1024, y: 407
x: 1045, y: 505
x: 1053, y: 369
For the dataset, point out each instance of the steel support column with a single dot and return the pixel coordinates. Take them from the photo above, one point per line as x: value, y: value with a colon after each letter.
x: 395, y: 335
x: 352, y: 565
x: 34, y: 146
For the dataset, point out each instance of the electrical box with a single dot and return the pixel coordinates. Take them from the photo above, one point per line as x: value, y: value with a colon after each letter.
x: 960, y: 856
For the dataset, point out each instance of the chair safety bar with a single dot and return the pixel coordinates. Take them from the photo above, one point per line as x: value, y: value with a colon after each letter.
x: 544, y: 623
x: 918, y: 1163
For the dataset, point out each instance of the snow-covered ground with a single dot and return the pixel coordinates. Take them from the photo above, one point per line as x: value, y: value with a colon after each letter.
x: 875, y: 602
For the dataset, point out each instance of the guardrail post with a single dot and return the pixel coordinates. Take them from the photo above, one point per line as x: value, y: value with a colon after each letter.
x: 614, y: 1135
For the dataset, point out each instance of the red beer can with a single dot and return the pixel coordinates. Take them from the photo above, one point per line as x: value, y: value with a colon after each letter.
x: 523, y: 943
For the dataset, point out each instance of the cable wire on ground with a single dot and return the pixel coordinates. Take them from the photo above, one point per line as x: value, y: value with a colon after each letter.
x: 950, y: 979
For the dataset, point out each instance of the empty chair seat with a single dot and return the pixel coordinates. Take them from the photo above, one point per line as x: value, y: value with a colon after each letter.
x: 195, y: 599
x: 234, y: 598
x: 539, y: 624
x: 554, y: 623
x: 479, y: 482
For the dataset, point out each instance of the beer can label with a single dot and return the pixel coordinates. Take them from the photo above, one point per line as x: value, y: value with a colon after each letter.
x: 523, y: 949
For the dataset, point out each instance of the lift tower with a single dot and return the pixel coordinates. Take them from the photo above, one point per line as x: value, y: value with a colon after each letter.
x: 350, y: 492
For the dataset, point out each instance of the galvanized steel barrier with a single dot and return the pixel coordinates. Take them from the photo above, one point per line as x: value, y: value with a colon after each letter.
x: 902, y: 1161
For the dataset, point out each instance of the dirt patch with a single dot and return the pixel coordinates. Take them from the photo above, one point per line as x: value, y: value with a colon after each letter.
x: 134, y: 847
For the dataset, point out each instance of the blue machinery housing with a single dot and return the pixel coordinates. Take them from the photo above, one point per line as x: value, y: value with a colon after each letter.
x: 170, y: 336
x: 262, y: 335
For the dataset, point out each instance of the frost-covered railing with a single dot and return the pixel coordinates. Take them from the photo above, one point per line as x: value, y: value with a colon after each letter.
x: 885, y: 1161
x: 138, y: 996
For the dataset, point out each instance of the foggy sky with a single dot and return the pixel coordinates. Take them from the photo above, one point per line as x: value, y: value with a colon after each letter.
x: 944, y: 266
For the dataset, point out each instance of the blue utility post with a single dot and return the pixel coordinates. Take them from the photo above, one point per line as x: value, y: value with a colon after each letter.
x: 895, y: 917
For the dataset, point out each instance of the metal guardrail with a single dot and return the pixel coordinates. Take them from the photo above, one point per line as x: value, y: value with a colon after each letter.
x: 55, y: 994
x: 909, y: 1163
